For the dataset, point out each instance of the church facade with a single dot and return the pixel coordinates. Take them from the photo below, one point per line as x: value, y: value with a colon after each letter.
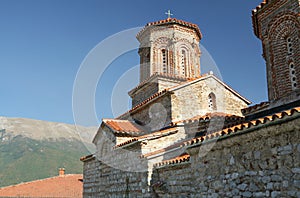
x: 189, y: 134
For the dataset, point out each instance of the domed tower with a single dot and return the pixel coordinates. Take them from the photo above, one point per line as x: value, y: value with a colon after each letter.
x: 277, y: 25
x: 169, y: 54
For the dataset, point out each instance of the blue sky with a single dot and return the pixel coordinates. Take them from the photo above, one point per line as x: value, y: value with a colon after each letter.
x: 43, y: 43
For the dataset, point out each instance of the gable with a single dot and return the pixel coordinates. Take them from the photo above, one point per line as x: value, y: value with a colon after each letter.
x: 113, y: 128
x: 211, y: 80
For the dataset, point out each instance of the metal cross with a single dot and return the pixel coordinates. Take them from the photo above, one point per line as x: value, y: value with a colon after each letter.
x: 169, y: 14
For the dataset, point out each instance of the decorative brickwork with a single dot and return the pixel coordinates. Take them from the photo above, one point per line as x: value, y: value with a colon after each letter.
x: 277, y: 24
x: 170, y: 48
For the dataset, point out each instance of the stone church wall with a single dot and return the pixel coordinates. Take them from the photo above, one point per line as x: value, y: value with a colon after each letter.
x: 155, y: 115
x: 142, y: 94
x: 261, y: 163
x: 192, y: 100
x: 121, y: 174
x: 101, y: 180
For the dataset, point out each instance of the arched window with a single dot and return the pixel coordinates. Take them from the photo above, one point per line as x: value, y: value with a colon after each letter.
x: 164, y: 60
x: 293, y: 75
x: 212, y: 102
x: 183, y: 62
x: 289, y: 45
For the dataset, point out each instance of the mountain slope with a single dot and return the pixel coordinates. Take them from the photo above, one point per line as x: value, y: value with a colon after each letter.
x: 32, y: 149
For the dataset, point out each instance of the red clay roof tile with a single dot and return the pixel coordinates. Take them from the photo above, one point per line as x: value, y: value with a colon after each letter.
x: 67, y: 186
x: 170, y: 21
x: 247, y: 125
x: 178, y: 160
x: 87, y: 157
x: 260, y: 6
x: 124, y: 126
x: 256, y: 107
x: 154, y: 135
x: 228, y: 131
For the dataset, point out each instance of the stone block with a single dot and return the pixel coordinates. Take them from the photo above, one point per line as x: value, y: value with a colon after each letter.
x: 276, y: 178
x: 253, y: 187
x: 259, y: 194
x: 234, y: 175
x: 247, y: 194
x: 266, y: 179
x: 270, y: 186
x: 296, y: 170
x: 257, y: 155
x: 242, y: 186
x: 285, y: 184
x: 275, y: 194
x: 297, y: 184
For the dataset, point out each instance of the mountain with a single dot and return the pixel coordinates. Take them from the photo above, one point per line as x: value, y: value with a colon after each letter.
x: 34, y: 149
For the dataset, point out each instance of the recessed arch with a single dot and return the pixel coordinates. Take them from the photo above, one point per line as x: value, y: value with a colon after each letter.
x: 212, y: 105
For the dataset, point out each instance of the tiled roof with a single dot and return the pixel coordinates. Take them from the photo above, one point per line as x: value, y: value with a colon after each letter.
x: 176, y: 87
x: 157, y: 75
x: 67, y: 186
x: 260, y: 6
x: 254, y: 14
x: 256, y: 107
x: 87, y: 157
x: 160, y: 151
x: 244, y: 126
x: 154, y: 135
x: 151, y: 98
x: 175, y: 161
x: 170, y: 21
x: 226, y: 132
x: 124, y: 126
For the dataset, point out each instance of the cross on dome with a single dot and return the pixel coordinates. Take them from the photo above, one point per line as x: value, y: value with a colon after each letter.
x: 169, y: 14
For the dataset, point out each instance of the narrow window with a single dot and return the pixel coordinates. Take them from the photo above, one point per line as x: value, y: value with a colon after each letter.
x: 212, y: 102
x: 183, y: 62
x: 289, y: 45
x: 293, y: 75
x: 164, y: 60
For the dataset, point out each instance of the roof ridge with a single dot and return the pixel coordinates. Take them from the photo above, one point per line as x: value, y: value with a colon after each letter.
x: 176, y: 21
x: 226, y: 131
x: 162, y: 133
x: 156, y: 74
x: 177, y: 160
x: 258, y: 106
x: 242, y: 126
x: 117, y: 120
x: 154, y: 96
x: 260, y: 6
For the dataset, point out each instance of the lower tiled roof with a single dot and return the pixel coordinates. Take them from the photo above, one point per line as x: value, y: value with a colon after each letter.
x: 246, y: 125
x: 67, y: 186
x: 227, y: 132
x: 87, y: 157
x: 154, y: 135
x: 124, y: 126
x: 175, y: 161
x: 256, y: 107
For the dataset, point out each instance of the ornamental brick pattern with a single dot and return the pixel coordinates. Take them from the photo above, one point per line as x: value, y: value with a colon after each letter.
x: 277, y: 24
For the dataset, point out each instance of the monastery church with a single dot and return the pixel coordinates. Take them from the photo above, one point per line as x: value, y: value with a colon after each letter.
x: 188, y: 134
